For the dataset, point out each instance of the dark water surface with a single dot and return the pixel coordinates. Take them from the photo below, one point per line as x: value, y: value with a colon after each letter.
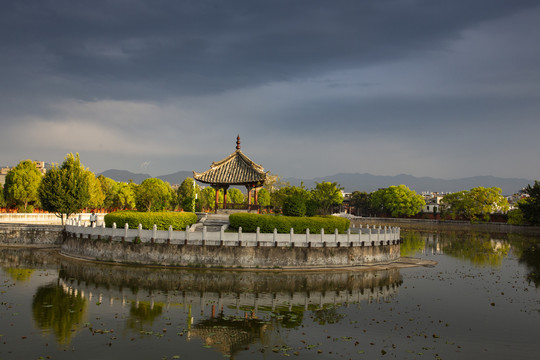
x: 481, y: 301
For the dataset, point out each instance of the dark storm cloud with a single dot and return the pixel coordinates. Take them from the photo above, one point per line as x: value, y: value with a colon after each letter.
x: 156, y: 49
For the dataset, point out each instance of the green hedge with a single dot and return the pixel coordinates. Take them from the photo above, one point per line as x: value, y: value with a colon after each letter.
x: 178, y: 220
x: 283, y: 224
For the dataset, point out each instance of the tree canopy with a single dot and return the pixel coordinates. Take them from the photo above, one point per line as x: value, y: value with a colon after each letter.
x: 263, y: 197
x: 327, y: 194
x: 187, y: 194
x: 22, y: 183
x: 530, y: 207
x: 397, y: 201
x: 153, y: 195
x: 64, y: 190
x: 235, y: 196
x: 475, y: 204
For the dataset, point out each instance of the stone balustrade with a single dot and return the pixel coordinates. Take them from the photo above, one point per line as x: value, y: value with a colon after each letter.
x: 361, y: 236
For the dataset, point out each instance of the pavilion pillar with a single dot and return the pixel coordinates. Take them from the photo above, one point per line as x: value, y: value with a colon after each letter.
x: 225, y: 196
x: 249, y: 196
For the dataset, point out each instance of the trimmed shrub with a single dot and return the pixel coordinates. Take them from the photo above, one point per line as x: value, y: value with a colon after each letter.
x: 179, y: 221
x: 294, y: 205
x: 283, y: 224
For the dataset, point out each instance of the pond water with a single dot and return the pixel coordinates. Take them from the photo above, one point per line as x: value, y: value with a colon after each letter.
x: 480, y: 301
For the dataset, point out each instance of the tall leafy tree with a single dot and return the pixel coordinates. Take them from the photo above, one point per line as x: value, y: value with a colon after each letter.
x: 186, y: 194
x: 96, y: 193
x: 397, y: 201
x: 153, y: 195
x: 263, y: 197
x: 235, y: 196
x: 22, y: 183
x: 360, y: 200
x: 64, y: 190
x: 108, y: 189
x: 2, y: 201
x: 208, y: 198
x: 124, y: 196
x: 530, y: 207
x: 327, y: 194
x: 475, y: 204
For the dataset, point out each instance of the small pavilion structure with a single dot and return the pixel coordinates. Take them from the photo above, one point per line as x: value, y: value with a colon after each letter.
x: 235, y: 169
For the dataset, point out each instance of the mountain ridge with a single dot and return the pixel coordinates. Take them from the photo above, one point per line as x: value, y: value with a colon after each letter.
x: 361, y: 181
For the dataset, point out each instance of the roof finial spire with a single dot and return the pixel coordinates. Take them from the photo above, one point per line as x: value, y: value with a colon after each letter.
x: 238, y: 142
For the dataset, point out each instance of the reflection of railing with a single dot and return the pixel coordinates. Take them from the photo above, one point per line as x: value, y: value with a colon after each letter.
x: 354, y: 237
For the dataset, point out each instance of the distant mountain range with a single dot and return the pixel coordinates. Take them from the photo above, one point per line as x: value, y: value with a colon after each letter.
x: 361, y: 182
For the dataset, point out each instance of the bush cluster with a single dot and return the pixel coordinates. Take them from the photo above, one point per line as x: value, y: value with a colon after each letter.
x: 283, y: 224
x: 178, y: 220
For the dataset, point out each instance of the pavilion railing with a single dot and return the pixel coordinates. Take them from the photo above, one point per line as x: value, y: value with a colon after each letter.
x: 353, y: 237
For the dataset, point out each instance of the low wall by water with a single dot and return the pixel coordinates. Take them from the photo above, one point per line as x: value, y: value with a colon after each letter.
x: 228, y: 256
x: 442, y: 225
x: 23, y: 234
x: 49, y: 219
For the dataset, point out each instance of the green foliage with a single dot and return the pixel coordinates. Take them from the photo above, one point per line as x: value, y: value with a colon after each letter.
x: 327, y: 194
x: 124, y: 197
x: 22, y: 184
x: 531, y: 205
x: 208, y: 198
x: 515, y: 217
x: 361, y: 201
x: 64, y: 190
x: 235, y: 196
x: 153, y: 195
x: 2, y: 200
x: 263, y: 197
x: 476, y: 204
x: 178, y: 220
x: 294, y: 205
x: 96, y: 193
x: 283, y: 224
x: 109, y: 191
x: 397, y: 201
x: 186, y: 194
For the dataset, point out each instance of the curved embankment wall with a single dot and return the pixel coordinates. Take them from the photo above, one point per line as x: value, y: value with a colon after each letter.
x: 228, y: 256
x: 22, y: 234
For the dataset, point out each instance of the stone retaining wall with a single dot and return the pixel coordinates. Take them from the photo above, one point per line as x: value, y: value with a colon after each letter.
x: 20, y: 234
x: 228, y: 256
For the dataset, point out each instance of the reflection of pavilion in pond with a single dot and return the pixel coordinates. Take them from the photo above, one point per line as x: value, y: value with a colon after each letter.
x: 238, y: 291
x: 230, y: 310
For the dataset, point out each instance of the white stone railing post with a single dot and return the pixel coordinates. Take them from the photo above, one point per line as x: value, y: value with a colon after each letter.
x: 291, y: 238
x: 322, y: 235
x: 204, y: 233
x: 126, y: 227
x: 275, y: 235
x: 139, y: 232
x: 222, y: 232
x: 170, y: 235
x: 307, y: 235
x: 336, y: 234
x: 113, y: 230
x: 240, y: 233
x: 349, y: 235
x: 187, y: 233
x: 369, y: 234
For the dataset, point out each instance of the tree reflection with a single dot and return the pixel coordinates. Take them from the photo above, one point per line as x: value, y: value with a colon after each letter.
x: 528, y: 251
x: 478, y: 248
x: 19, y: 274
x: 412, y: 243
x: 59, y: 311
x: 143, y: 313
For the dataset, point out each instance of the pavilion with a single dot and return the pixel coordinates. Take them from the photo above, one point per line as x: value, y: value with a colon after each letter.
x: 235, y: 169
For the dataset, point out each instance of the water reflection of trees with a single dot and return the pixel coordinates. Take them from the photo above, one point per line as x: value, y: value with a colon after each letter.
x: 527, y: 249
x: 19, y: 274
x: 480, y: 248
x: 57, y: 311
x: 143, y: 313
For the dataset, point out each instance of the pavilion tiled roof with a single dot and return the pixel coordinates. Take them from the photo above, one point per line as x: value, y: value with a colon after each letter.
x: 235, y: 169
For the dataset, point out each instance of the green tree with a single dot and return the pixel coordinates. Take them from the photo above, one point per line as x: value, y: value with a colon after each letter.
x: 186, y: 194
x: 235, y: 196
x: 327, y: 194
x: 108, y: 189
x: 476, y: 204
x: 64, y: 190
x: 208, y: 198
x: 263, y: 197
x: 2, y: 200
x: 124, y: 196
x: 22, y: 183
x: 397, y: 201
x: 530, y: 207
x: 360, y: 200
x: 152, y: 195
x: 96, y: 193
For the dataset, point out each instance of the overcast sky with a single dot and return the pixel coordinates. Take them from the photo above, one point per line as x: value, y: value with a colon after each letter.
x: 446, y: 89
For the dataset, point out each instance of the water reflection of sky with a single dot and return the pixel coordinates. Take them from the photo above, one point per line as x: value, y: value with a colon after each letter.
x: 478, y: 302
